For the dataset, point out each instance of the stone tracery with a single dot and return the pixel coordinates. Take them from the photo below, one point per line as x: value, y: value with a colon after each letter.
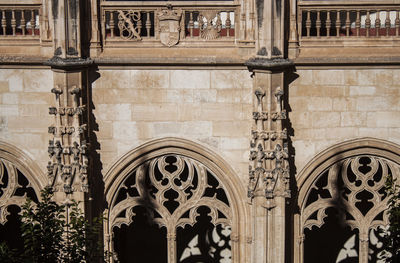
x: 355, y: 189
x: 182, y: 196
x: 14, y: 188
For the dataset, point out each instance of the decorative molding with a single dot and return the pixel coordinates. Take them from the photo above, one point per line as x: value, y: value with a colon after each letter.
x: 269, y: 168
x: 276, y: 64
x: 67, y: 169
x: 68, y: 63
x: 128, y: 24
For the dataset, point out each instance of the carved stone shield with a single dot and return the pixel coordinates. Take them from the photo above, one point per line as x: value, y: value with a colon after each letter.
x: 169, y: 26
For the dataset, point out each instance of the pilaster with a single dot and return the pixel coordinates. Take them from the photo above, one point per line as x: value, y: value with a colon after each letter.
x: 95, y: 46
x: 69, y: 146
x: 271, y: 26
x: 268, y: 185
x: 293, y: 35
x: 269, y: 176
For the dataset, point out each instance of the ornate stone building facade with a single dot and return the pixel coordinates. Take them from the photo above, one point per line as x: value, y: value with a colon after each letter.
x: 206, y: 131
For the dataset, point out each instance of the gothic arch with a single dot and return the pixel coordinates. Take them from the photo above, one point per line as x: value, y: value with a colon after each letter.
x: 20, y: 177
x: 24, y: 163
x: 337, y: 178
x: 195, y: 155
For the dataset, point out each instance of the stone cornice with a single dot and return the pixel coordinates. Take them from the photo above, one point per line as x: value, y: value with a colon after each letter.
x: 68, y: 63
x: 170, y: 61
x: 274, y: 64
x: 346, y: 61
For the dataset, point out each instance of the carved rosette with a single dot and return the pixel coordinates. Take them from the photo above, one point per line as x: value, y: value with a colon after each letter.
x: 67, y: 169
x: 269, y: 168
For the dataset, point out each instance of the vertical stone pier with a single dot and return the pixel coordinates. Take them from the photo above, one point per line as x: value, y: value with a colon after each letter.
x: 269, y: 175
x: 69, y: 164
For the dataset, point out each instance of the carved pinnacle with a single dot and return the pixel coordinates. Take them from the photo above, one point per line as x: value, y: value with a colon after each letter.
x: 259, y: 94
x: 278, y: 95
x: 75, y: 90
x: 57, y: 90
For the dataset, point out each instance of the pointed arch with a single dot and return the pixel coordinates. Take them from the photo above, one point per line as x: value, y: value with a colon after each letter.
x: 346, y: 182
x: 198, y: 156
x: 341, y: 151
x: 24, y: 163
x: 20, y: 178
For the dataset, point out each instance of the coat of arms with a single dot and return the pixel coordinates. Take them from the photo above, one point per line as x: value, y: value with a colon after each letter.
x: 169, y: 26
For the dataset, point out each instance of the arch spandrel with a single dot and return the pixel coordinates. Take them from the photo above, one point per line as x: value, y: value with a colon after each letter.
x: 205, y: 163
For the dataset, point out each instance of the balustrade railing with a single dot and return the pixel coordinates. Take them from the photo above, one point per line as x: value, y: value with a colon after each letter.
x: 168, y: 25
x: 348, y: 21
x: 19, y: 21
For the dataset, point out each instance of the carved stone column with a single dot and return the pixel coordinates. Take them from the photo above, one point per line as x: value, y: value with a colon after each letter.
x: 68, y: 168
x: 68, y: 148
x: 95, y: 45
x: 269, y: 169
x: 270, y: 22
x: 268, y: 186
x: 293, y: 35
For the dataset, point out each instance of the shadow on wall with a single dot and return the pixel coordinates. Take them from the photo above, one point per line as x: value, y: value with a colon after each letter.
x: 291, y: 206
x: 97, y: 203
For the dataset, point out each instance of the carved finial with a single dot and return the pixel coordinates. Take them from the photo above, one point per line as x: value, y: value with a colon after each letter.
x: 57, y: 90
x: 75, y: 90
x: 259, y: 94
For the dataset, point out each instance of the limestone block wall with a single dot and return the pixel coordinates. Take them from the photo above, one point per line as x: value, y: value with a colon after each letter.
x: 209, y: 106
x: 24, y: 111
x: 212, y: 107
x: 329, y: 106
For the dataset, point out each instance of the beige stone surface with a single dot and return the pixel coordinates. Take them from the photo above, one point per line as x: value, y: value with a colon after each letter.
x: 201, y: 92
x: 332, y: 106
x: 24, y: 111
x: 212, y: 107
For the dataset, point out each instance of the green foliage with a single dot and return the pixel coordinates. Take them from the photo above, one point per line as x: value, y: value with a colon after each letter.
x: 51, y: 237
x: 392, y: 236
x: 8, y: 255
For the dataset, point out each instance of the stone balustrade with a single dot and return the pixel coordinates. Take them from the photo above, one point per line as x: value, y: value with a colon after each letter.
x: 155, y: 24
x: 19, y: 21
x: 318, y: 21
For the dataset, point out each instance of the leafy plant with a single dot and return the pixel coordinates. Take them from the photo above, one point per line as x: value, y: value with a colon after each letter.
x: 392, y: 235
x: 52, y: 237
